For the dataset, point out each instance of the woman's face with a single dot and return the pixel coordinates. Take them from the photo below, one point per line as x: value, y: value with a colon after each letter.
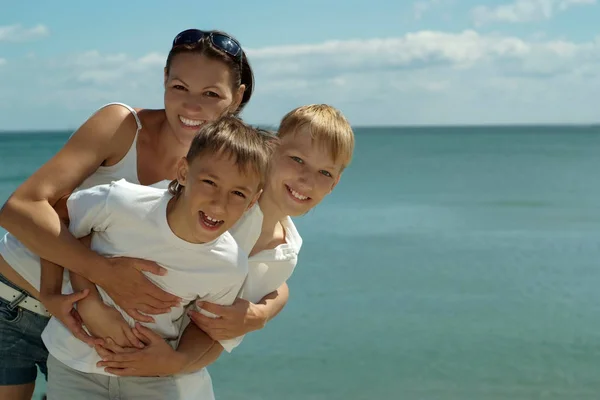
x: 197, y: 89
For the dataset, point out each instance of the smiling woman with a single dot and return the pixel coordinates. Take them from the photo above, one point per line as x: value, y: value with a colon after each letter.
x: 207, y: 75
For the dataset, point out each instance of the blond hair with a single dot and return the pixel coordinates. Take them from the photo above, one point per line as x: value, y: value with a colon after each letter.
x: 251, y: 149
x: 327, y: 125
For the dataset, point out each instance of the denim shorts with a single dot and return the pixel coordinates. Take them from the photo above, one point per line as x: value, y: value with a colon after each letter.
x: 21, y: 347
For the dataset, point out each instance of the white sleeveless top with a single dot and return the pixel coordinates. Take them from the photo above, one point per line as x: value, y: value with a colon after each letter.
x: 126, y: 168
x: 27, y: 264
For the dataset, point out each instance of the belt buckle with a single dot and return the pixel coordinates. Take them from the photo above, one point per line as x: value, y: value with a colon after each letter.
x: 15, y: 303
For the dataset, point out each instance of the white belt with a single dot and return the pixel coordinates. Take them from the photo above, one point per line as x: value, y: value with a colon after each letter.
x: 20, y: 299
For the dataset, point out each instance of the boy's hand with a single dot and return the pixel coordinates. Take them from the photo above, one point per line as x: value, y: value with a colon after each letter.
x: 107, y: 323
x: 131, y: 290
x: 232, y: 321
x: 62, y: 307
x: 158, y: 358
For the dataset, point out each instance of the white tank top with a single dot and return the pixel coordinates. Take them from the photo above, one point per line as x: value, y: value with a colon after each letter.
x: 27, y: 264
x: 126, y: 168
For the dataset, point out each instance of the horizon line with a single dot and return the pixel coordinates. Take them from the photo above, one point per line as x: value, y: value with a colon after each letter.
x: 401, y: 126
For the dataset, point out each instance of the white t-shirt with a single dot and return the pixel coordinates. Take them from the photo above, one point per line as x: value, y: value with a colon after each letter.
x: 130, y: 220
x: 267, y: 271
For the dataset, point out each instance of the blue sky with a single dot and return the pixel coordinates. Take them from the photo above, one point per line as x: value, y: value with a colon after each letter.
x: 381, y: 62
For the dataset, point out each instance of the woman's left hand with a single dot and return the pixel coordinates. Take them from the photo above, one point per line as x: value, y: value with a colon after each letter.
x: 158, y: 358
x: 235, y: 320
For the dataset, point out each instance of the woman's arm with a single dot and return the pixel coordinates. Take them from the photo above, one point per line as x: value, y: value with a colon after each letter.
x: 28, y: 214
x: 242, y: 316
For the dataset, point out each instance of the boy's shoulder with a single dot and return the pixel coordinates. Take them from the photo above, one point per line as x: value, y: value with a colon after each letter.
x: 292, y: 236
x: 129, y: 195
x: 124, y: 188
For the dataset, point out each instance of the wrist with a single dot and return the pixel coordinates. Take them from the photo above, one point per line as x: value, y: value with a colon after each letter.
x: 100, y: 272
x: 261, y: 312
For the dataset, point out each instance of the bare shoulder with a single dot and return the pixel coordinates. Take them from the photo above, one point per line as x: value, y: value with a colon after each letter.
x: 118, y: 124
x: 102, y: 137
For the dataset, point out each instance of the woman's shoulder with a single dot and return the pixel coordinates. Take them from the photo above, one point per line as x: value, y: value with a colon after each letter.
x: 120, y: 116
x: 151, y: 116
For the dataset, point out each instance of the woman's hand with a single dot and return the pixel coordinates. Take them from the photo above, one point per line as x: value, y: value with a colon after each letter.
x: 157, y: 358
x: 129, y: 288
x: 235, y: 320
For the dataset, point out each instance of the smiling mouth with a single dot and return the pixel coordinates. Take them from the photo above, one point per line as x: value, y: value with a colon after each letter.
x: 191, y: 123
x: 210, y: 223
x: 296, y: 195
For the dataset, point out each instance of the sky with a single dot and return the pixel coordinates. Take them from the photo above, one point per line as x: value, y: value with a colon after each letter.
x: 423, y: 62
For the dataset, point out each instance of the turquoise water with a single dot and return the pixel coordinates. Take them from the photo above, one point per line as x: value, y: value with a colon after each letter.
x: 449, y: 263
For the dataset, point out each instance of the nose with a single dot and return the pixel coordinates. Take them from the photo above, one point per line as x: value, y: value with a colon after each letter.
x: 306, y: 180
x: 193, y: 104
x: 217, y: 206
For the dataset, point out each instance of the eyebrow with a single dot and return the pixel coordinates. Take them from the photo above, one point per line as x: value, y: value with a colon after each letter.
x: 328, y: 167
x: 176, y: 78
x: 241, y: 188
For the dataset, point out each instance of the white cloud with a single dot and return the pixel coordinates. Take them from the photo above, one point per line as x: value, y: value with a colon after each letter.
x: 424, y: 77
x: 2, y: 61
x: 421, y: 7
x: 16, y: 33
x: 523, y: 11
x: 415, y: 51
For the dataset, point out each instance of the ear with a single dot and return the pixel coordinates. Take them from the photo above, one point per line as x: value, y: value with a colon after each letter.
x: 254, y: 200
x: 182, y: 171
x: 237, y: 97
x: 166, y: 77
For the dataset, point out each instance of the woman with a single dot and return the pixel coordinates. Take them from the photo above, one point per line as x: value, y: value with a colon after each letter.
x: 207, y: 75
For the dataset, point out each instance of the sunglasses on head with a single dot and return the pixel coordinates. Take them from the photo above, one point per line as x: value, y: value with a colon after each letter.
x: 221, y: 41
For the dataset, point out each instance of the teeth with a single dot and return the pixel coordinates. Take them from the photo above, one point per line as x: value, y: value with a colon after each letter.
x: 297, y: 195
x: 191, y: 122
x: 211, y: 219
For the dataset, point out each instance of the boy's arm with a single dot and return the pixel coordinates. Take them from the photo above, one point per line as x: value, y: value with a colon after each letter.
x: 242, y: 316
x: 198, y: 349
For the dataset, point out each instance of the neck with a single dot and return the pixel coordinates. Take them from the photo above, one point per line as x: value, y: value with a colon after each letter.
x: 177, y: 222
x: 272, y: 215
x: 167, y: 148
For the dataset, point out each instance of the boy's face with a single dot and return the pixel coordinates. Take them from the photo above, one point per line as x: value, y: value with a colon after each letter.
x: 303, y: 172
x: 216, y: 194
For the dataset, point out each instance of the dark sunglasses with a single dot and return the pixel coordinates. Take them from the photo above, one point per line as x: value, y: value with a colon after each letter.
x: 222, y: 42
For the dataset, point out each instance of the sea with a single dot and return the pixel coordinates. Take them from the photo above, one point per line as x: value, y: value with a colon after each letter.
x: 450, y: 263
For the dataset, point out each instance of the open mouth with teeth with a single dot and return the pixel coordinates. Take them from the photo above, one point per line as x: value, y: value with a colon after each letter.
x: 191, y: 123
x: 296, y: 195
x: 210, y: 223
